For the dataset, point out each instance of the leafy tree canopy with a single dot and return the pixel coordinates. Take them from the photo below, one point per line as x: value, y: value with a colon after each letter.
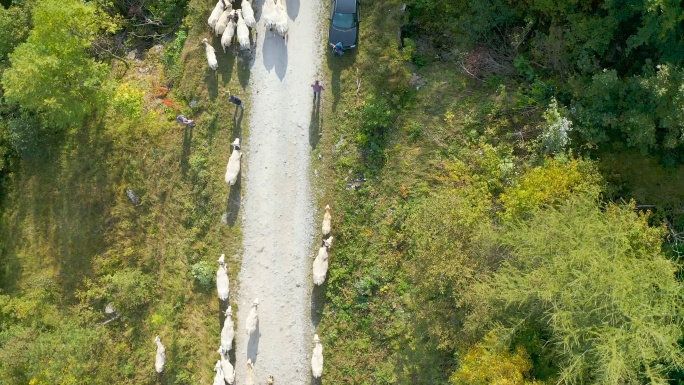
x: 52, y: 71
x: 595, y: 282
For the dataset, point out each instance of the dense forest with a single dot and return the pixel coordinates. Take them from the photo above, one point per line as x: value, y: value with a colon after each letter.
x: 506, y: 181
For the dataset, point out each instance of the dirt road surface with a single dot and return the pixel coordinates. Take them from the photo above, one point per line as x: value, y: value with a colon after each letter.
x: 279, y: 224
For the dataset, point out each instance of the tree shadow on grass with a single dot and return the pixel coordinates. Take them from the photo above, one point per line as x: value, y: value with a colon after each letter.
x: 53, y: 223
x: 234, y: 202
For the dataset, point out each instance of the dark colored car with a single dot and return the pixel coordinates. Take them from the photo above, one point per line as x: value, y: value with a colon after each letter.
x: 344, y: 23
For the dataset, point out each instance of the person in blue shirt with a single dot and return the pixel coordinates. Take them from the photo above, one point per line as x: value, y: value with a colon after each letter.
x: 338, y: 50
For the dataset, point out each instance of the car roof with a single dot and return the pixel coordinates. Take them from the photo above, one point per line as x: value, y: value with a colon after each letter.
x: 345, y: 6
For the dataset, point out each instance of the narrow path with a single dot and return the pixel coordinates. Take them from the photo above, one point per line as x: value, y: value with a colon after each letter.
x: 278, y: 213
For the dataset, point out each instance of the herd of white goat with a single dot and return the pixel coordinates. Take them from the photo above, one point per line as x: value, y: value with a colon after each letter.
x: 230, y: 23
x: 225, y: 372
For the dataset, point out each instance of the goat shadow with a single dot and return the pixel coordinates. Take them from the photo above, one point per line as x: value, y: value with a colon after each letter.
x: 237, y: 122
x: 315, y: 124
x: 275, y: 54
x: 318, y: 301
x: 211, y: 77
x: 293, y: 9
x: 316, y: 381
x: 234, y: 201
x: 253, y: 345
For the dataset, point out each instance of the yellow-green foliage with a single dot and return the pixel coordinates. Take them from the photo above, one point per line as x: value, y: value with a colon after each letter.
x: 494, y: 365
x: 594, y: 281
x: 450, y: 231
x: 128, y: 100
x: 550, y: 184
x: 53, y: 72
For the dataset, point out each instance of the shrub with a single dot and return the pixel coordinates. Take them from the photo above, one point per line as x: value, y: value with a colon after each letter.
x: 204, y: 275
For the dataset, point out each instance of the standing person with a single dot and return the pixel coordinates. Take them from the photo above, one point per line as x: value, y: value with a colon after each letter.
x: 317, y: 88
x: 237, y: 101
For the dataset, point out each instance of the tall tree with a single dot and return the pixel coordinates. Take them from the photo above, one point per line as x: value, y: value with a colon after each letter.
x: 52, y: 71
x: 594, y: 281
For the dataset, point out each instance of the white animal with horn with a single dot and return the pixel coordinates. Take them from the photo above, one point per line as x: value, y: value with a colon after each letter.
x: 229, y: 32
x: 248, y: 14
x: 227, y: 369
x: 222, y: 283
x: 216, y: 14
x: 320, y: 265
x: 327, y: 218
x: 281, y: 23
x: 227, y: 332
x: 317, y: 358
x: 160, y: 359
x: 242, y: 31
x: 211, y: 55
x: 233, y: 168
x: 252, y: 318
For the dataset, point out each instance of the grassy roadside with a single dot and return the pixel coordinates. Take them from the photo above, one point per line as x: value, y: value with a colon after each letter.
x: 72, y: 240
x: 390, y: 139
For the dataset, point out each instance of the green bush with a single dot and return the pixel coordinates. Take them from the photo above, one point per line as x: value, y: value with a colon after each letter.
x: 204, y: 275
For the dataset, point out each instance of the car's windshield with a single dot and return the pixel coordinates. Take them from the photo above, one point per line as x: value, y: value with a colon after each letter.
x: 344, y: 20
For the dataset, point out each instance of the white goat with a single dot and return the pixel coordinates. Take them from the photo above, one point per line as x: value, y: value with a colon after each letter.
x: 248, y: 13
x: 317, y: 358
x: 229, y: 32
x: 223, y: 21
x: 227, y: 368
x: 252, y: 318
x: 227, y: 332
x: 160, y: 360
x: 270, y: 381
x: 233, y: 167
x: 281, y: 25
x: 268, y: 13
x: 242, y: 31
x: 222, y: 283
x: 326, y: 221
x: 211, y: 55
x: 320, y: 265
x: 250, y: 373
x: 218, y: 377
x: 216, y: 13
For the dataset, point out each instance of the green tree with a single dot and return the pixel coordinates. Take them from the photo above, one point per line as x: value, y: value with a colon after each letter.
x: 52, y: 71
x: 14, y: 24
x: 550, y: 184
x: 451, y: 232
x: 493, y: 364
x: 594, y: 281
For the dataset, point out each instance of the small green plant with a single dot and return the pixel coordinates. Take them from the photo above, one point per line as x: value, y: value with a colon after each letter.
x: 203, y: 274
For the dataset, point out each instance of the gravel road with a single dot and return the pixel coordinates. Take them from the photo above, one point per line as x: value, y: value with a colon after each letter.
x: 279, y: 220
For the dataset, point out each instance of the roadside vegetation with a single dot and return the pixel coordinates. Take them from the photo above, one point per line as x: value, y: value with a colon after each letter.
x: 505, y: 179
x: 105, y: 198
x: 507, y: 205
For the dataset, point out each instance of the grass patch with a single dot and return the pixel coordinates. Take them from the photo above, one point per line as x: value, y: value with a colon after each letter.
x: 68, y: 224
